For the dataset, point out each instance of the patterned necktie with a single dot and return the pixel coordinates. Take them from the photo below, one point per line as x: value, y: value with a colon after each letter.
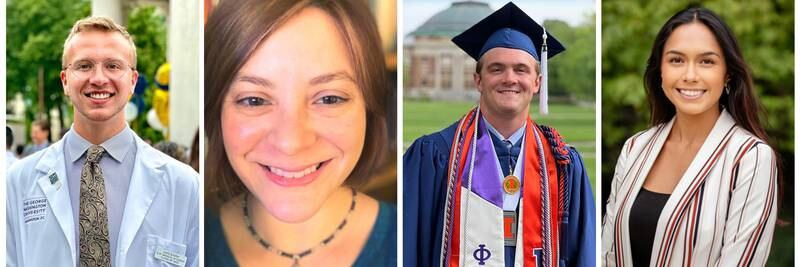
x: 93, y: 218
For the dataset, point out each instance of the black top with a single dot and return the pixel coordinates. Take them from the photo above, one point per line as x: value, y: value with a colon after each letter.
x: 643, y: 221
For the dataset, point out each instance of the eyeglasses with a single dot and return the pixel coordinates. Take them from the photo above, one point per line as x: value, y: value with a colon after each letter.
x: 113, y: 69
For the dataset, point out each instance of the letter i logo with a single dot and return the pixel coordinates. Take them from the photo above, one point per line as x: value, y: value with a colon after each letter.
x: 537, y: 256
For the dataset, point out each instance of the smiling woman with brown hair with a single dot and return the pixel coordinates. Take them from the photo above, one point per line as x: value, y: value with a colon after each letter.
x: 294, y: 113
x: 699, y: 187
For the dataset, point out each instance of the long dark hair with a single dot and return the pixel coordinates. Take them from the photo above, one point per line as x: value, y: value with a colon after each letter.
x: 741, y: 102
x: 236, y: 28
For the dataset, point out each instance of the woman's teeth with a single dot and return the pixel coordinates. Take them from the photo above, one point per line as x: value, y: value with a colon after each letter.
x: 691, y: 92
x: 297, y: 174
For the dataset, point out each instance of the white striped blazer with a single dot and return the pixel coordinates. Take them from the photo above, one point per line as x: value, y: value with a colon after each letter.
x: 721, y: 213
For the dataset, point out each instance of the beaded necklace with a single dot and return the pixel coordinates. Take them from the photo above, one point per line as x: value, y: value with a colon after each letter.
x: 295, y: 256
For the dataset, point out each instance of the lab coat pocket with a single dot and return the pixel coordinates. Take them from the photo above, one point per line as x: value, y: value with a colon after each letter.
x: 164, y: 252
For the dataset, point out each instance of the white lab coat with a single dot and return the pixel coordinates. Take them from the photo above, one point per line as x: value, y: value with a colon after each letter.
x: 161, y: 212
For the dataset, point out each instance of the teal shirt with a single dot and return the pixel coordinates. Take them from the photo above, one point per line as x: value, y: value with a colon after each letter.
x: 380, y: 249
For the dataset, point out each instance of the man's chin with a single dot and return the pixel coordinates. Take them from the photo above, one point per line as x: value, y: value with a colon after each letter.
x: 101, y: 115
x: 503, y: 111
x: 512, y: 107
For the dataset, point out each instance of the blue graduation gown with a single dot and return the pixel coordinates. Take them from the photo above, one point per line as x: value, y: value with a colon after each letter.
x: 425, y: 189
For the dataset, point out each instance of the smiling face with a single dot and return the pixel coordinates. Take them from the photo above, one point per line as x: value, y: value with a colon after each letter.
x: 693, y: 71
x: 507, y: 81
x: 98, y: 98
x: 294, y: 119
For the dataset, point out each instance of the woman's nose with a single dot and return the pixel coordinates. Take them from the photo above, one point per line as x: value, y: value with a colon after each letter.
x: 691, y: 74
x: 293, y: 132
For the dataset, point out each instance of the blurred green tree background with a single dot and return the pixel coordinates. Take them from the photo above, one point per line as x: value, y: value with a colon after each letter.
x: 35, y: 34
x: 148, y: 27
x: 36, y: 30
x: 764, y: 30
x: 577, y: 61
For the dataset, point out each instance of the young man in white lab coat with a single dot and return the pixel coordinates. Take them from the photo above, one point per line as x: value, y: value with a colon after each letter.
x: 139, y: 209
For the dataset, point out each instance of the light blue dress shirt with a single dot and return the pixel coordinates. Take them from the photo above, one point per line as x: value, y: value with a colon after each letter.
x: 514, y: 138
x: 117, y: 166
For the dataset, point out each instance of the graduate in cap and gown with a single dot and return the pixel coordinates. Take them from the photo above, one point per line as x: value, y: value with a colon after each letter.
x: 495, y: 188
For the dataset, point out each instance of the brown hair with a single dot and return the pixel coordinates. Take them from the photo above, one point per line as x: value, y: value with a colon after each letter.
x: 101, y: 24
x: 741, y: 102
x: 194, y: 154
x: 44, y: 125
x: 234, y: 30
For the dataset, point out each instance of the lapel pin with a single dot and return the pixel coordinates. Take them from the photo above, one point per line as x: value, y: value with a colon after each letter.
x: 54, y: 180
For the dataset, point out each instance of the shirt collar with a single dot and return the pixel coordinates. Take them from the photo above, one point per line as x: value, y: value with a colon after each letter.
x: 117, y: 146
x: 514, y: 138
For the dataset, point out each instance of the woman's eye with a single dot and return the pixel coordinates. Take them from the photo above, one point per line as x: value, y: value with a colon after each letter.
x: 706, y: 61
x: 331, y: 100
x: 675, y: 60
x: 252, y: 101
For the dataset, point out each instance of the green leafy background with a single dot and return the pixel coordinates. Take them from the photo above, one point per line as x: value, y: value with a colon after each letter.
x: 764, y: 30
x: 36, y: 30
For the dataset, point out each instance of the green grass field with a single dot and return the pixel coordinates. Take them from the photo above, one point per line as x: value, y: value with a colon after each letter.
x: 576, y: 124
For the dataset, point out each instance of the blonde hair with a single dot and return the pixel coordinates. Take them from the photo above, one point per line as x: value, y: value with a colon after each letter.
x: 101, y: 24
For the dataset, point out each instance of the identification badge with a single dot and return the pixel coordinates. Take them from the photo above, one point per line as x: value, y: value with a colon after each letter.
x: 170, y: 257
x: 510, y: 227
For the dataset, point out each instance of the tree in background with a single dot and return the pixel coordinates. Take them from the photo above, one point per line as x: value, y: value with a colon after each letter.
x: 764, y: 30
x: 147, y: 25
x: 572, y: 72
x: 36, y: 33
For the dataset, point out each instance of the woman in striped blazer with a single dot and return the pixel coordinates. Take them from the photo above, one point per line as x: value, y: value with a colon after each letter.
x: 699, y: 187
